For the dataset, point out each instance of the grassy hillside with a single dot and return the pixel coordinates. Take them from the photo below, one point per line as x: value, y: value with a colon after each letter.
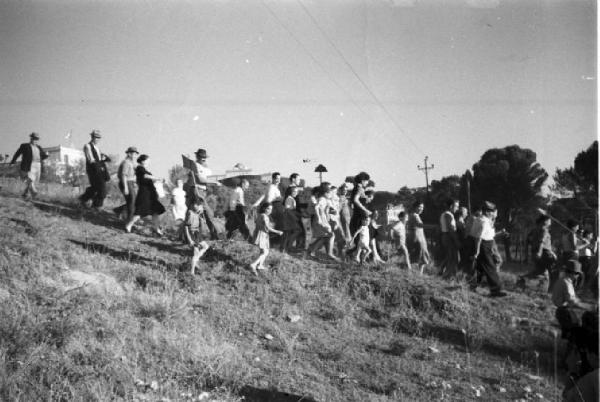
x: 90, y: 312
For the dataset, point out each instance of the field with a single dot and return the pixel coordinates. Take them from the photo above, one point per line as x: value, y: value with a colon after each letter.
x: 90, y: 312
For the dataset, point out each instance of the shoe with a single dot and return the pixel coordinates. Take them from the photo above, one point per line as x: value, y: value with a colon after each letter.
x: 253, y: 269
x: 128, y: 228
x: 159, y: 232
x: 499, y: 293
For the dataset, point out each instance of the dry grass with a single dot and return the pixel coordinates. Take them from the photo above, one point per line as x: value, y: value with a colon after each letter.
x: 365, y: 333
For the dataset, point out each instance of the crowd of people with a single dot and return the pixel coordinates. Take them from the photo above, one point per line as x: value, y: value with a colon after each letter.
x: 344, y: 224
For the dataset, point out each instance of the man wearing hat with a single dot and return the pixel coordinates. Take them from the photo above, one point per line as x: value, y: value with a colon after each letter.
x: 569, y: 308
x: 483, y: 255
x: 196, y: 189
x: 127, y: 183
x: 31, y: 163
x: 95, y: 167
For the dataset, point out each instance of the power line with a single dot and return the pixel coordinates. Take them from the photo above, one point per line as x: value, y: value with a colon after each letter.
x: 338, y: 51
x: 337, y: 84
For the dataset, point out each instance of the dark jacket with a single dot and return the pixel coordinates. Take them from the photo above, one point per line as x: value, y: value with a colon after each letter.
x: 25, y: 150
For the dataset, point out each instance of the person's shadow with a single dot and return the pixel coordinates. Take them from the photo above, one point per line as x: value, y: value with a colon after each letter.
x: 77, y: 213
x: 125, y: 255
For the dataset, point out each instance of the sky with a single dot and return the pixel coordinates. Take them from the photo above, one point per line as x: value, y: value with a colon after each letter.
x: 354, y: 85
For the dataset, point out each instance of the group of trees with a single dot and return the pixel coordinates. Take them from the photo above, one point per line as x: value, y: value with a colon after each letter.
x: 512, y: 178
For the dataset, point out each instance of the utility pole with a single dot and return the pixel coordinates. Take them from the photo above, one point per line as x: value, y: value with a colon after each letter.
x: 426, y: 169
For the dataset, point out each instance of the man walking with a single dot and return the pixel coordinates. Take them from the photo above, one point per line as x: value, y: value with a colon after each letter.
x: 196, y: 189
x: 450, y: 242
x: 483, y: 254
x: 31, y: 163
x: 127, y: 183
x: 95, y: 167
x: 236, y: 216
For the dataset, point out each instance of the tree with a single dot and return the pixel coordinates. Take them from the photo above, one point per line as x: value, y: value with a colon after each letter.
x: 442, y: 190
x: 512, y: 178
x: 581, y: 179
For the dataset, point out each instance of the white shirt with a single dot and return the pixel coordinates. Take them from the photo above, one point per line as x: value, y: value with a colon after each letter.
x: 485, y: 231
x: 35, y: 154
x: 444, y: 222
x: 290, y: 203
x: 179, y: 209
x: 237, y: 198
x: 89, y: 155
x: 272, y: 193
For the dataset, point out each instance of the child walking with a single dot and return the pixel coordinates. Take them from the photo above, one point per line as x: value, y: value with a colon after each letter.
x: 362, y: 245
x: 261, y: 235
x: 196, y: 232
x: 399, y: 235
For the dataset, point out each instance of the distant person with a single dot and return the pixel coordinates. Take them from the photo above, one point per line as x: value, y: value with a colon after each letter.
x: 262, y: 236
x: 291, y: 220
x: 542, y: 254
x: 345, y: 211
x: 398, y: 235
x: 98, y: 175
x: 483, y: 255
x: 569, y: 308
x: 196, y: 232
x: 362, y: 239
x: 460, y: 217
x: 178, y: 207
x: 196, y: 187
x: 146, y: 202
x: 359, y: 201
x: 273, y: 197
x: 127, y: 183
x: 322, y: 233
x: 374, y: 232
x: 236, y: 216
x: 32, y: 156
x: 339, y: 238
x: 588, y: 255
x: 450, y: 241
x: 415, y: 237
x: 296, y: 181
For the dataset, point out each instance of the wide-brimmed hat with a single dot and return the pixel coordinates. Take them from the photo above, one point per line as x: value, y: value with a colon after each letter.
x: 96, y: 134
x: 201, y: 153
x: 34, y: 136
x: 132, y: 150
x: 573, y: 267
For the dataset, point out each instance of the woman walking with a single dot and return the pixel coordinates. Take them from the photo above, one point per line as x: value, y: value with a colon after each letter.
x: 146, y: 201
x: 291, y: 219
x: 344, y: 209
x: 322, y: 233
x: 415, y: 236
x: 359, y: 201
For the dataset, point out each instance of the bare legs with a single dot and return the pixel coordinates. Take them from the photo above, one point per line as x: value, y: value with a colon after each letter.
x: 155, y: 222
x: 259, y: 262
x: 199, y: 250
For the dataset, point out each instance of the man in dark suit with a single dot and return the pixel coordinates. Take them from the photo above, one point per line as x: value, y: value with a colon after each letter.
x: 31, y: 163
x: 95, y: 167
